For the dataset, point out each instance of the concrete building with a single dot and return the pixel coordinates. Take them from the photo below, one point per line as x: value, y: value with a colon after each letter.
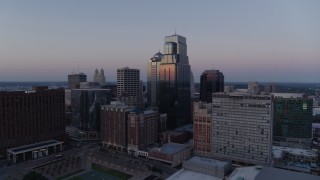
x: 229, y: 88
x: 202, y: 132
x: 268, y: 173
x: 208, y: 166
x: 253, y: 87
x: 211, y: 81
x: 270, y: 88
x: 129, y: 88
x: 242, y: 127
x: 114, y: 119
x: 170, y: 153
x: 142, y: 130
x: 292, y: 120
x: 75, y: 79
x: 28, y: 117
x: 99, y: 77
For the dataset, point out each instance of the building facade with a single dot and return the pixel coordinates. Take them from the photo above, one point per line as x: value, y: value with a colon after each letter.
x: 292, y: 118
x: 74, y: 80
x: 129, y: 88
x: 142, y: 130
x: 114, y: 119
x: 242, y: 127
x: 86, y: 109
x: 174, y: 81
x: 202, y: 129
x: 211, y: 81
x: 153, y: 88
x: 31, y: 116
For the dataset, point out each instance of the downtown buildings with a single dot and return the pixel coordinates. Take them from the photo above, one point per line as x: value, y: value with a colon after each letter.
x: 28, y: 117
x: 169, y: 81
x: 74, y: 80
x: 242, y: 127
x: 211, y: 81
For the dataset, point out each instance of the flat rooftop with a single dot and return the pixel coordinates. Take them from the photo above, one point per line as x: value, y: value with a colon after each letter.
x: 277, y: 151
x: 170, y: 148
x: 207, y: 161
x: 268, y: 173
x: 191, y: 175
x: 29, y: 147
x: 247, y: 173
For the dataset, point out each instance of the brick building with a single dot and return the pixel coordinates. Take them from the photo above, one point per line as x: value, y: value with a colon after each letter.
x: 31, y: 116
x: 202, y: 129
x: 113, y: 121
x: 142, y: 129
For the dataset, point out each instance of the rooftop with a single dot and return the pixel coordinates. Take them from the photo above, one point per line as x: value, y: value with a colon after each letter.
x: 277, y: 151
x: 247, y: 173
x: 288, y: 95
x: 191, y: 175
x: 268, y: 173
x: 207, y: 161
x: 170, y: 148
x: 28, y: 147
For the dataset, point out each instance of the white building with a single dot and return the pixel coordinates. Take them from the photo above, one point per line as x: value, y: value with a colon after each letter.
x: 242, y: 127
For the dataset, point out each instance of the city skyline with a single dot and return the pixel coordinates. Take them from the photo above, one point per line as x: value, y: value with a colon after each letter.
x: 46, y: 41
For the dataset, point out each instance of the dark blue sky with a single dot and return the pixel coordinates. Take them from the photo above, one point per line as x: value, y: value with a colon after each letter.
x: 247, y: 40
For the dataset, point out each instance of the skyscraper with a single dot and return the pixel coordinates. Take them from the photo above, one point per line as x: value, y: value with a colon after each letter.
x: 174, y: 82
x: 99, y: 77
x: 129, y: 88
x: 211, y: 81
x: 75, y: 79
x: 153, y: 88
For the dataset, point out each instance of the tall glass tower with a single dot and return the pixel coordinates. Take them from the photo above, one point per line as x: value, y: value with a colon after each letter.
x: 211, y: 81
x: 174, y: 82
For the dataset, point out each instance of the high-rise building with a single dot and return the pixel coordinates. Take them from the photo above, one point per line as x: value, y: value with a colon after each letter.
x: 99, y: 77
x: 75, y: 79
x: 86, y: 110
x: 253, y: 87
x: 28, y: 117
x: 142, y: 130
x: 174, y: 81
x: 202, y: 129
x: 129, y: 88
x: 242, y: 127
x: 153, y: 88
x: 211, y: 81
x: 114, y: 119
x: 270, y: 87
x: 292, y: 118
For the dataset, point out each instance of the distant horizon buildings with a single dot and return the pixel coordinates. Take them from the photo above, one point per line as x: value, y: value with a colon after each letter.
x: 74, y: 80
x: 99, y: 77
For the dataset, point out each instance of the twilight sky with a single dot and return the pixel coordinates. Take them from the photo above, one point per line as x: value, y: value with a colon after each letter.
x: 257, y: 40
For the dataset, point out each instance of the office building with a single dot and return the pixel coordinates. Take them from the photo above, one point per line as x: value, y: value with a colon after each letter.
x: 129, y: 88
x: 253, y: 87
x: 99, y: 77
x: 270, y: 87
x: 75, y: 79
x: 142, y: 130
x: 153, y: 88
x: 242, y: 127
x: 202, y: 129
x: 114, y: 119
x: 211, y: 81
x: 174, y: 81
x: 86, y: 110
x: 28, y: 117
x: 292, y: 119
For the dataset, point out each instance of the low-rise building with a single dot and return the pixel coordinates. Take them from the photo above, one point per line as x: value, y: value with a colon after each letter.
x: 170, y: 153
